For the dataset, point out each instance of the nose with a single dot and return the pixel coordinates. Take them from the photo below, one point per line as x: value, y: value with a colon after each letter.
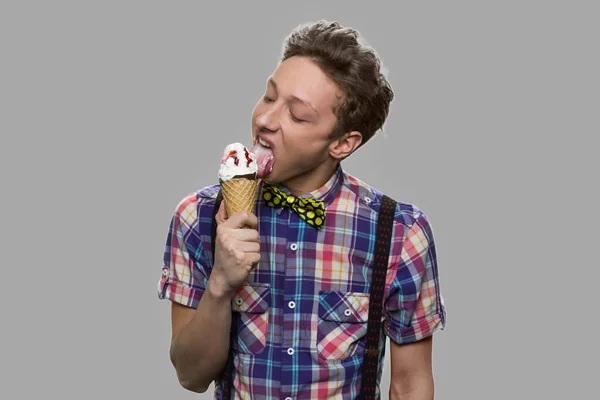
x: 269, y: 119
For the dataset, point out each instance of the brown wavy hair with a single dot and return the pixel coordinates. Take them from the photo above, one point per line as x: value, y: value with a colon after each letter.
x: 356, y: 69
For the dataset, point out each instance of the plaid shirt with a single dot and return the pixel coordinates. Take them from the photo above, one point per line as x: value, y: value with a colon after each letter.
x: 302, y: 316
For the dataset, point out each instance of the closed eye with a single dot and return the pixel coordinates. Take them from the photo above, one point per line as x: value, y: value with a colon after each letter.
x: 297, y: 119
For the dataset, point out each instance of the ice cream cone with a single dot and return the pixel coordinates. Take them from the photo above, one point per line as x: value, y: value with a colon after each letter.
x: 239, y: 194
x: 237, y: 176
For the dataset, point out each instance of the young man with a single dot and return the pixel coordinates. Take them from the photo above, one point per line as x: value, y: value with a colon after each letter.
x: 297, y: 294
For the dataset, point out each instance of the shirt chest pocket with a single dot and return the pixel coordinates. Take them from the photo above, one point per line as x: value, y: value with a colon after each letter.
x: 343, y: 318
x: 250, y: 306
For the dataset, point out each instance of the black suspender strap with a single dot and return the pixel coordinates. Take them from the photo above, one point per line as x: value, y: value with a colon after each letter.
x: 383, y: 239
x: 226, y: 382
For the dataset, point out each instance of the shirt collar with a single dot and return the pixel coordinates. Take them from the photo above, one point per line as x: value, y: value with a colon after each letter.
x: 330, y: 189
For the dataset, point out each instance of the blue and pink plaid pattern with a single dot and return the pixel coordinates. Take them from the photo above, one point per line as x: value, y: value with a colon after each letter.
x: 302, y: 316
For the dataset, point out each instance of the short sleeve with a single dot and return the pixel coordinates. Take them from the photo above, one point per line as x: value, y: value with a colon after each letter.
x: 184, y: 272
x: 415, y: 307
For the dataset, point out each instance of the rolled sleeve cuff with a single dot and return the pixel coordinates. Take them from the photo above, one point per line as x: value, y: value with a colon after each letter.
x: 178, y: 291
x: 418, y: 330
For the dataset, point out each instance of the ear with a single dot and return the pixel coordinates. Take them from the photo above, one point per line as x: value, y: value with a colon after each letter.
x: 344, y: 146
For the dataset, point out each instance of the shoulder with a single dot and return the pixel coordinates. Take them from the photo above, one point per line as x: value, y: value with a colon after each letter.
x: 192, y: 205
x: 370, y: 198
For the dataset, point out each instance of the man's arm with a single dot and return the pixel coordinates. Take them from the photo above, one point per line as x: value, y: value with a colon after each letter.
x: 416, y: 310
x: 411, y: 370
x: 200, y: 339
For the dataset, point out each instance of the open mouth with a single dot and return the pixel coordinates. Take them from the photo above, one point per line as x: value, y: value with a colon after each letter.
x: 265, y: 159
x: 263, y: 143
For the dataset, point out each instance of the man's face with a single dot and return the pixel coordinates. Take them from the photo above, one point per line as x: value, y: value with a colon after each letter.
x: 295, y: 117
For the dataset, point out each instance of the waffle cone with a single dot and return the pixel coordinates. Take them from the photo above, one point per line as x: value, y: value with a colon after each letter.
x: 239, y: 194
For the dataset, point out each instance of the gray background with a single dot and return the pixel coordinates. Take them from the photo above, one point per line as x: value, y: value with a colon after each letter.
x: 112, y: 111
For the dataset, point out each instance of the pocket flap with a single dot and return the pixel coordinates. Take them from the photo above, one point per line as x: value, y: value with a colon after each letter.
x: 344, y: 306
x: 252, y: 298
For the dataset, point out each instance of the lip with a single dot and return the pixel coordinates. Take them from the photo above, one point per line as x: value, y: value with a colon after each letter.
x: 264, y: 139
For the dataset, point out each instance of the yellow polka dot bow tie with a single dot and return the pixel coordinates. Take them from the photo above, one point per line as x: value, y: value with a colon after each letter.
x: 310, y: 210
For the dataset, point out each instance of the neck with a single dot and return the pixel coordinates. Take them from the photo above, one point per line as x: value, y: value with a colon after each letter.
x: 310, y: 180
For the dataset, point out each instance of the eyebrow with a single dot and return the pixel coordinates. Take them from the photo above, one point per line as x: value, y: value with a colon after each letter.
x: 294, y: 99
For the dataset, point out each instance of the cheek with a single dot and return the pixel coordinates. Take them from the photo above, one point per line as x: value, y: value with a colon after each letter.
x: 305, y: 145
x: 313, y: 136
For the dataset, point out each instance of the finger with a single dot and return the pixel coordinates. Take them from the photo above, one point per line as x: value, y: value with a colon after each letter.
x: 251, y: 221
x: 246, y: 235
x: 252, y: 258
x: 221, y: 214
x: 242, y: 219
x: 249, y: 247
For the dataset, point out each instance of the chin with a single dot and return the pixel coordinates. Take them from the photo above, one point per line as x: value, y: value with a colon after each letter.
x: 274, y: 177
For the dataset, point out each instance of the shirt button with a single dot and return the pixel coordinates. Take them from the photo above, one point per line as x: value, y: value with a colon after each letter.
x: 348, y: 312
x: 294, y: 246
x: 239, y: 301
x: 291, y: 304
x: 288, y: 398
x: 290, y: 351
x: 367, y: 199
x: 165, y: 272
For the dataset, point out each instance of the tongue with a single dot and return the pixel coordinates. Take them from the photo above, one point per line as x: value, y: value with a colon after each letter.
x: 264, y: 159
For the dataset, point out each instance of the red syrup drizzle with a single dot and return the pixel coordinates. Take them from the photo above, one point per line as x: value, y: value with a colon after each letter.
x: 233, y: 154
x: 248, y: 159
